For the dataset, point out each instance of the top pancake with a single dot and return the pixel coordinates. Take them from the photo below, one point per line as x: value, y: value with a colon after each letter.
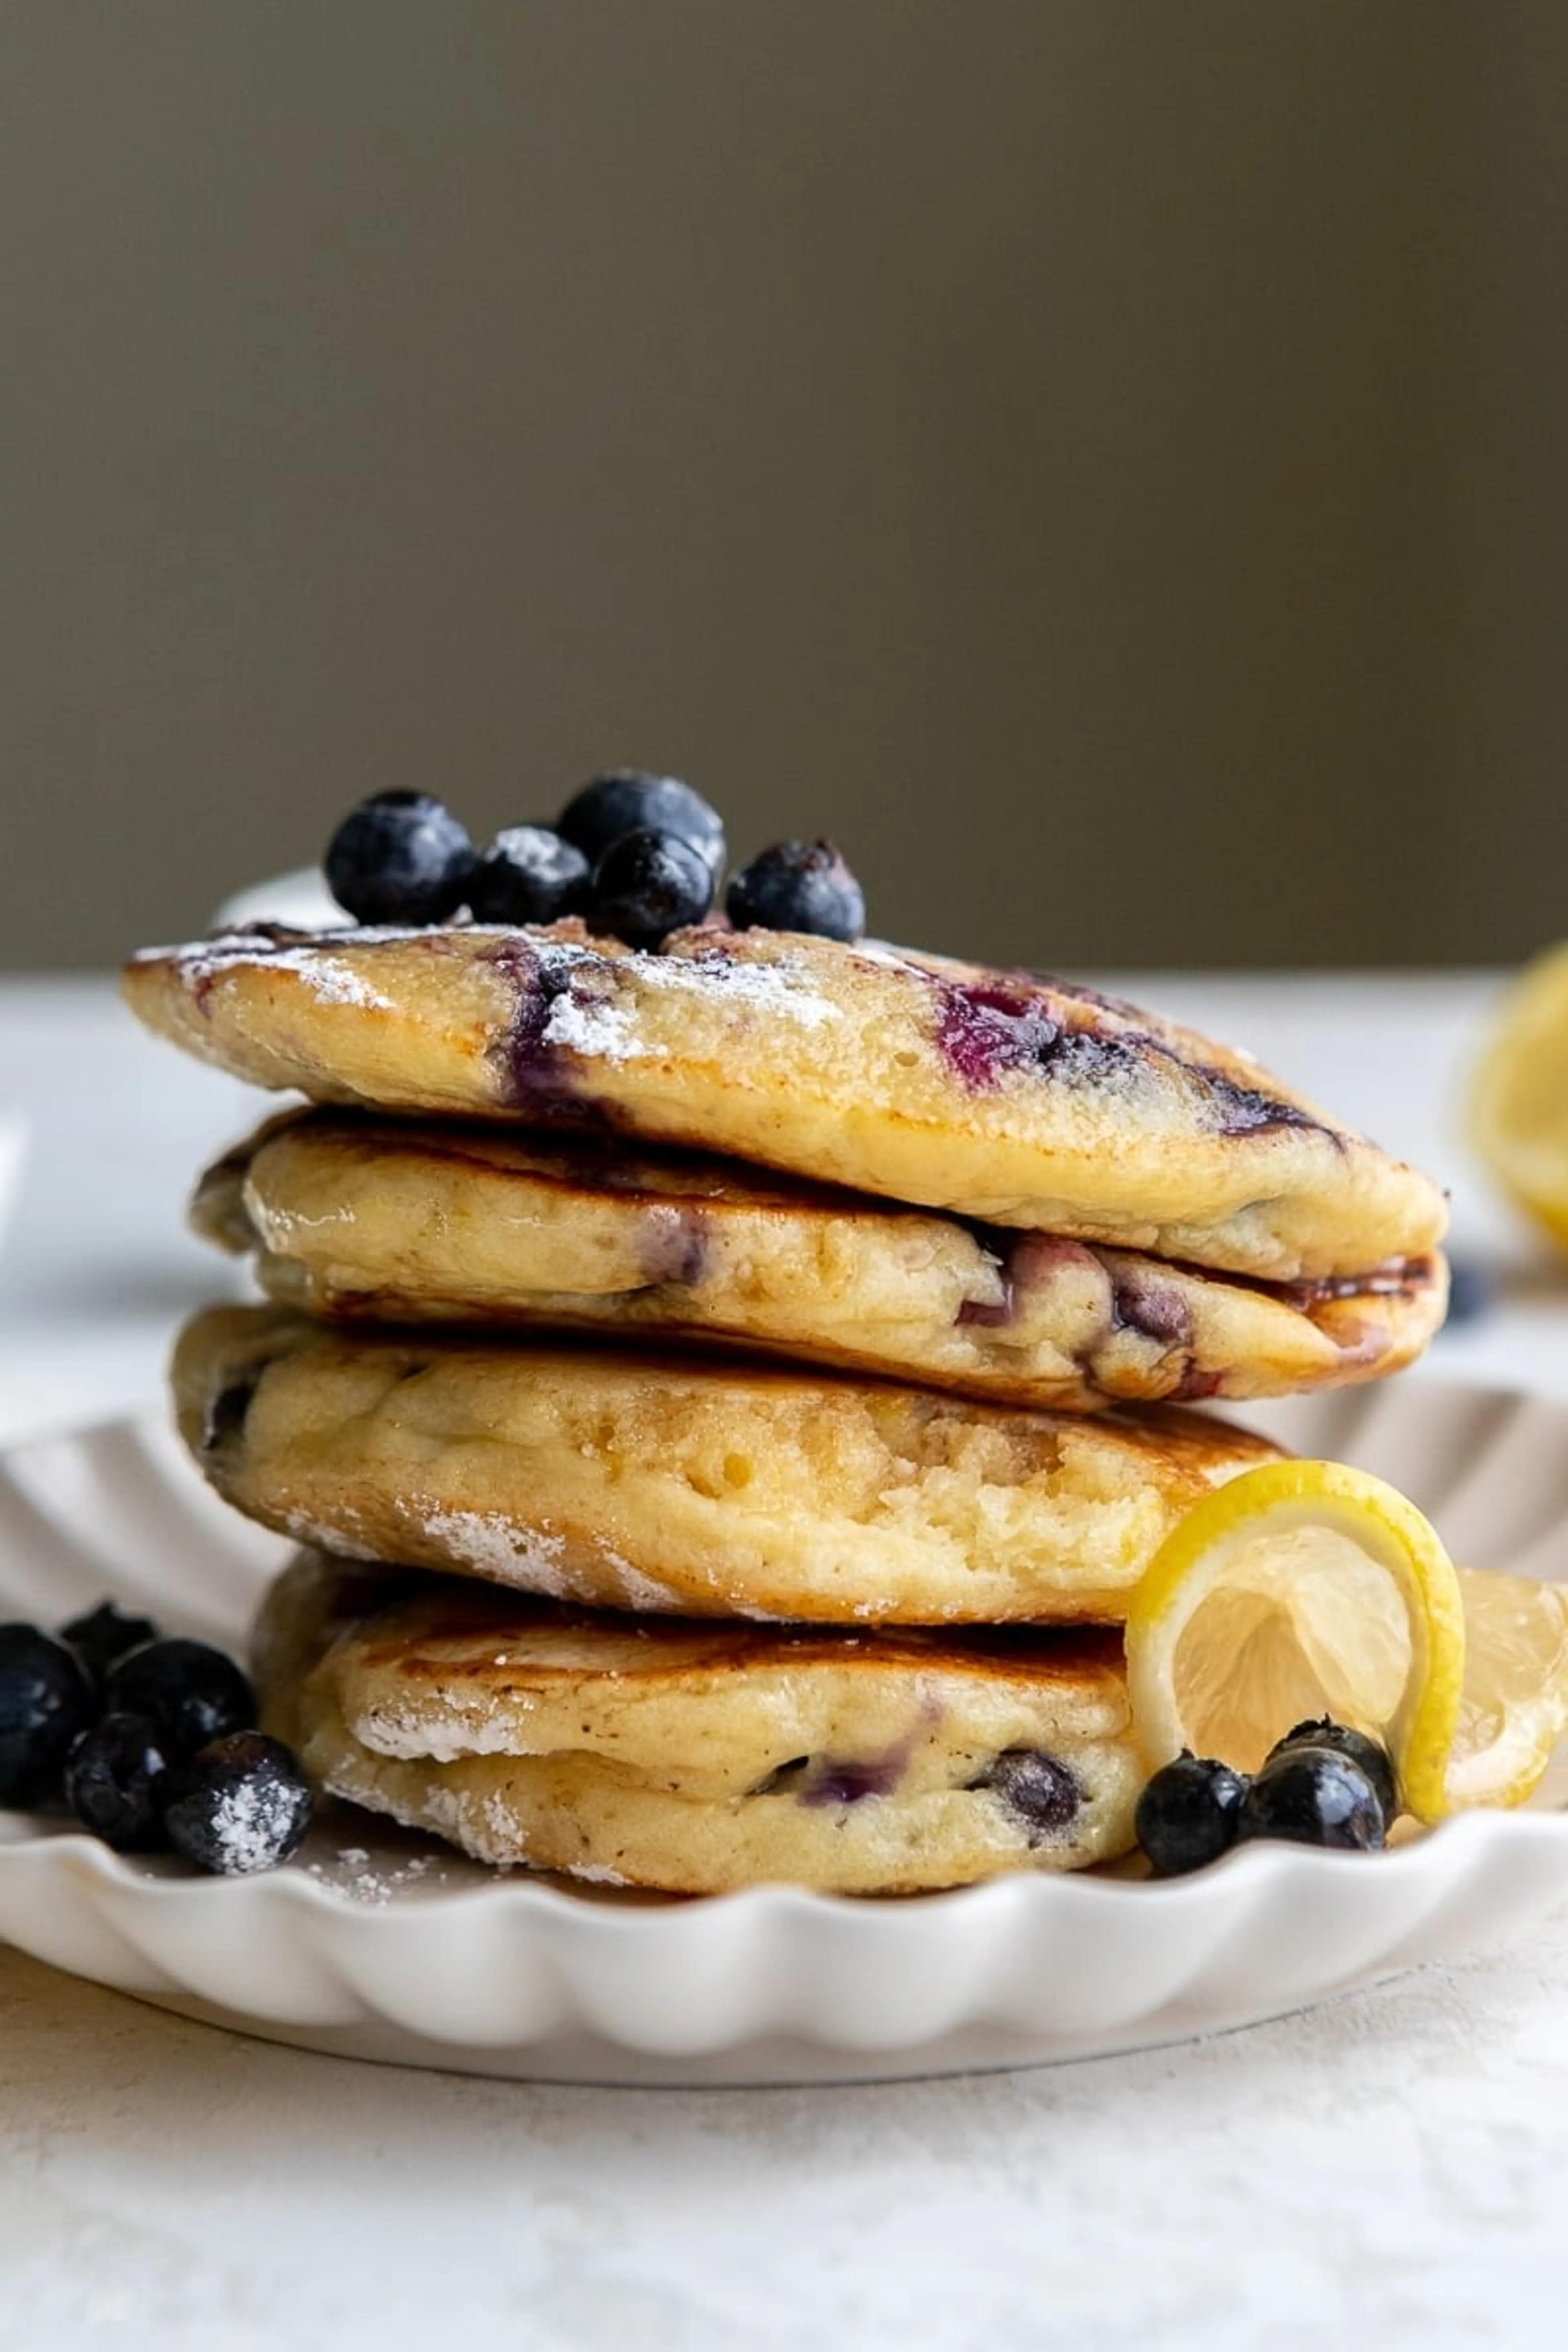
x: 1002, y: 1096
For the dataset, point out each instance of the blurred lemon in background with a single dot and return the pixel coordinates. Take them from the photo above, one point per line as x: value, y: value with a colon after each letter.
x: 1519, y: 1099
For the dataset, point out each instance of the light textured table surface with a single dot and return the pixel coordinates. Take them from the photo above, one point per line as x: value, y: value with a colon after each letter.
x: 1390, y: 2170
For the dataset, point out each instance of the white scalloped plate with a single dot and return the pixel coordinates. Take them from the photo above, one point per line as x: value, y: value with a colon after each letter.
x: 383, y: 1946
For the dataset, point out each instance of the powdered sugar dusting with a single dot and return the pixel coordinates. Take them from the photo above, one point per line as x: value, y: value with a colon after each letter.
x: 497, y: 1546
x: 592, y: 1011
x: 359, y: 1879
x: 500, y: 1548
x: 307, y: 1530
x: 444, y: 1738
x: 598, y: 1029
x: 598, y: 1874
x: 330, y: 980
x: 252, y: 1820
x: 639, y: 1591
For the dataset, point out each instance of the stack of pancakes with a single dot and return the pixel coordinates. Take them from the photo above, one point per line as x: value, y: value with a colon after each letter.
x: 690, y: 1520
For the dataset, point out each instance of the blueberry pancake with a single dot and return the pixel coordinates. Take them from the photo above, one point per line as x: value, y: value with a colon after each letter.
x: 999, y: 1095
x: 668, y: 1485
x: 371, y: 1220
x: 699, y: 1757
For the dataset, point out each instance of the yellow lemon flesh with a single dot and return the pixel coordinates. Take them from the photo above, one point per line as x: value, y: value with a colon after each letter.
x: 1519, y: 1099
x: 1513, y: 1708
x: 1301, y: 1589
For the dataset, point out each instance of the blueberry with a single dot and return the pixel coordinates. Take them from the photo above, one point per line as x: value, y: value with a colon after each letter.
x: 1471, y: 1291
x: 45, y: 1701
x: 529, y: 875
x: 191, y: 1692
x: 797, y: 886
x: 1189, y: 1814
x: 1370, y: 1754
x: 240, y: 1804
x: 114, y: 1782
x: 1314, y: 1796
x: 648, y: 884
x: 630, y: 801
x: 103, y: 1634
x: 1038, y: 1790
x: 401, y: 858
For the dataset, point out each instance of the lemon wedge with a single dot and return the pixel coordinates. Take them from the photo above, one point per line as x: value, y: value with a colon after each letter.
x: 1304, y: 1589
x: 1514, y: 1707
x: 1519, y: 1099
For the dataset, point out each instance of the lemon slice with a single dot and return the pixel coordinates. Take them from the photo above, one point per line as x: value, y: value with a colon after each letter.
x: 1519, y: 1098
x: 1302, y: 1589
x: 1513, y: 1708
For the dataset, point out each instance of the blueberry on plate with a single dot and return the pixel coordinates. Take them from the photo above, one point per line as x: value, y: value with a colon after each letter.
x: 191, y: 1692
x: 529, y: 875
x: 102, y: 1634
x: 46, y: 1700
x: 1189, y: 1814
x: 399, y: 857
x: 1315, y: 1796
x: 240, y: 1804
x: 631, y: 801
x: 646, y: 885
x: 115, y: 1778
x: 1359, y: 1746
x: 797, y: 886
x: 1471, y: 1289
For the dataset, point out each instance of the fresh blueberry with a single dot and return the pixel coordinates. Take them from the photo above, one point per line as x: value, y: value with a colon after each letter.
x: 103, y: 1634
x: 1471, y: 1290
x: 797, y: 886
x: 1370, y: 1754
x: 648, y: 884
x: 401, y: 858
x: 1189, y: 1814
x: 1315, y: 1796
x: 529, y: 875
x: 190, y: 1691
x: 45, y: 1701
x: 114, y: 1782
x: 241, y: 1803
x: 631, y: 801
x: 1039, y: 1790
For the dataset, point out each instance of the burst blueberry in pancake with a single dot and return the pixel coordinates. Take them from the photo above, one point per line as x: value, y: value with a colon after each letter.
x: 692, y: 1757
x: 670, y: 1484
x: 373, y: 1219
x: 997, y: 1096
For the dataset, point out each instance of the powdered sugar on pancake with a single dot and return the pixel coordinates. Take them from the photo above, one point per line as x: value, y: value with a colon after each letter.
x: 585, y: 1019
x: 307, y: 1530
x: 331, y: 980
x: 499, y: 1547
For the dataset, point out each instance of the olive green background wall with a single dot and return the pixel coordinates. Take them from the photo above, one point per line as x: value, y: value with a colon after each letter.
x: 1104, y: 462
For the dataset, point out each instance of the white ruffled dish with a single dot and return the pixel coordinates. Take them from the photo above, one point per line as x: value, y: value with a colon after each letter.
x: 378, y: 1945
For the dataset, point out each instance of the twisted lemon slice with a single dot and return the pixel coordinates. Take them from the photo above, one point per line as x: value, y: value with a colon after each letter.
x: 1301, y: 1589
x: 1519, y: 1098
x: 1513, y: 1708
